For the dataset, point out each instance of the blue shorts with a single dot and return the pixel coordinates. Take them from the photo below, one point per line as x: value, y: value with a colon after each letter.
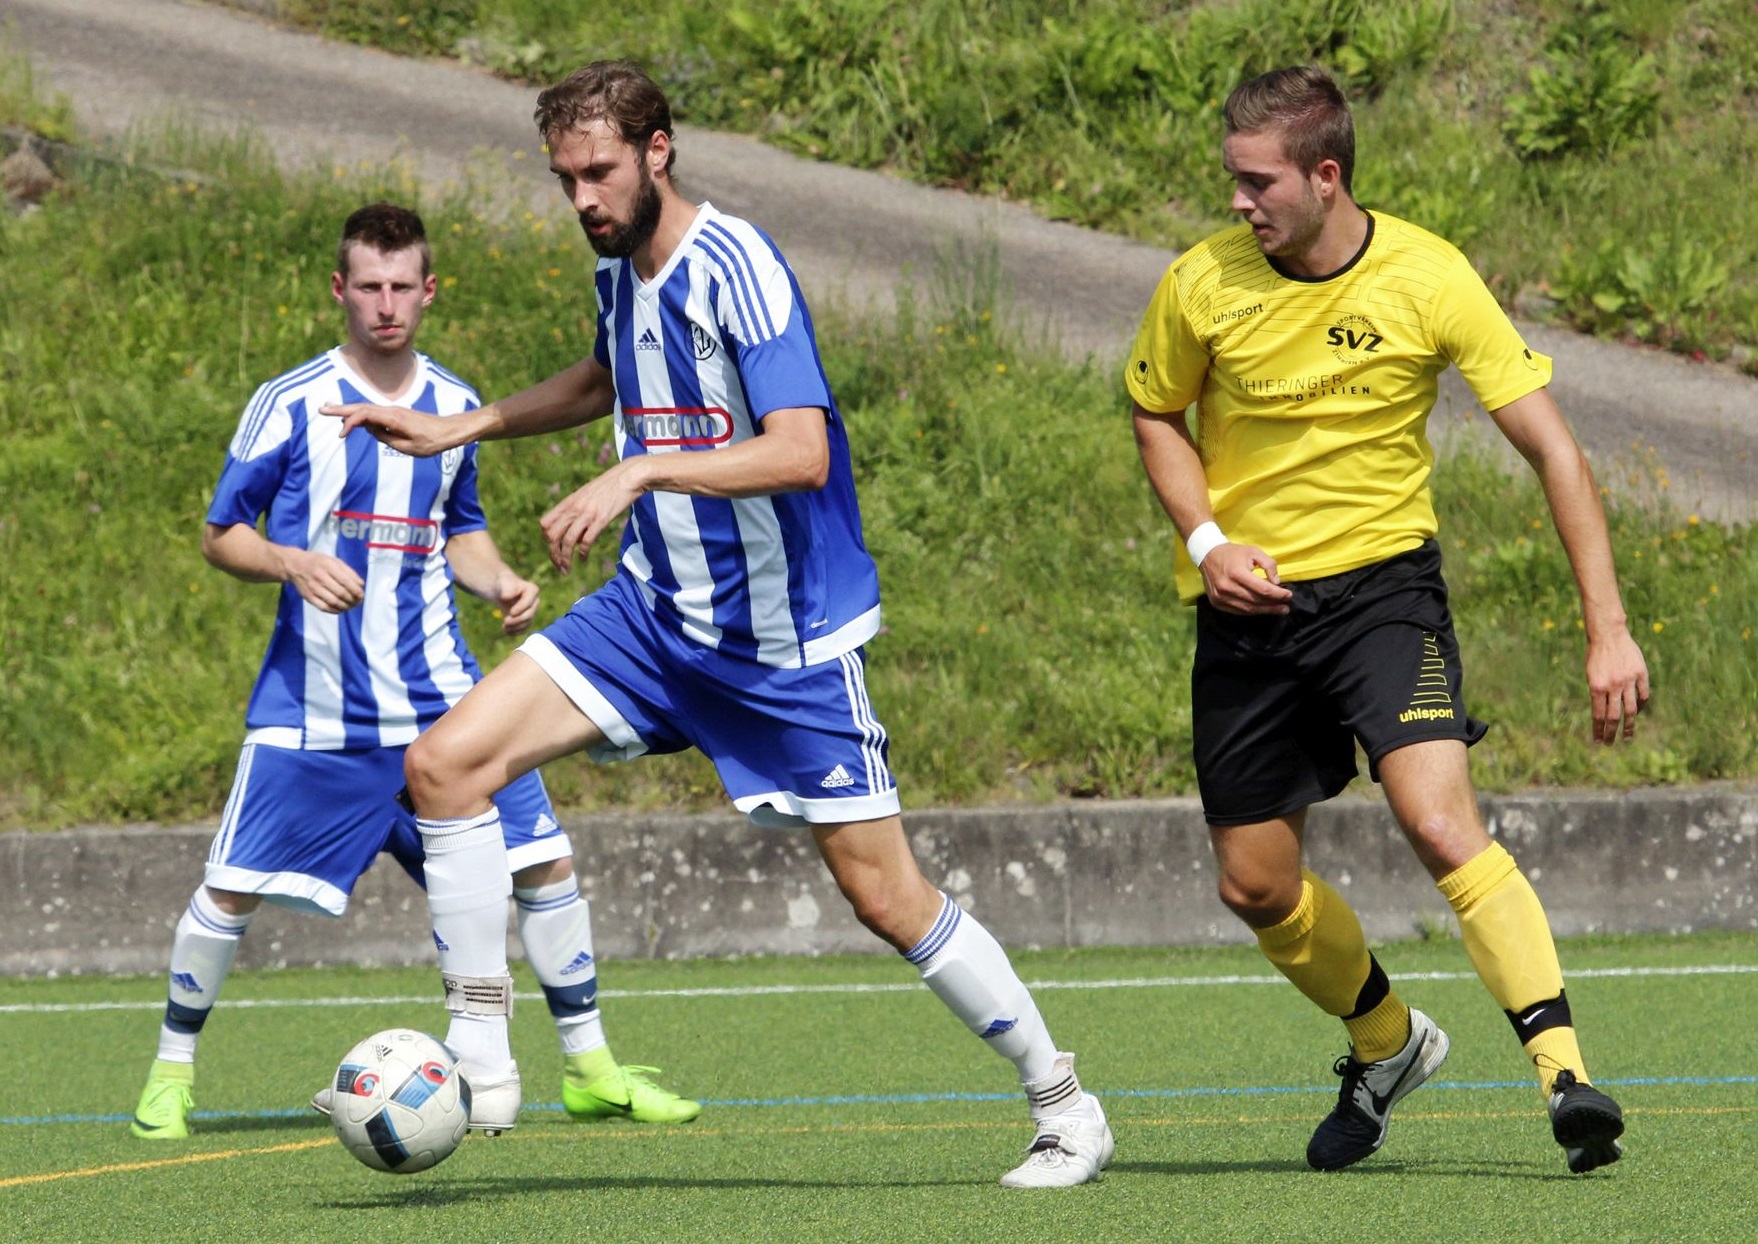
x: 301, y: 826
x: 792, y: 746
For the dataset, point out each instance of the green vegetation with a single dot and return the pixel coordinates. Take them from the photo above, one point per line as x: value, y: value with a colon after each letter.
x: 1035, y: 646
x: 897, y: 1124
x: 1600, y: 153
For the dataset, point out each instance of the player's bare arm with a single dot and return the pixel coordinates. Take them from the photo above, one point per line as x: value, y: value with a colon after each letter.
x: 323, y: 581
x: 1231, y: 572
x: 576, y: 395
x: 479, y: 569
x: 791, y: 455
x: 1617, y: 675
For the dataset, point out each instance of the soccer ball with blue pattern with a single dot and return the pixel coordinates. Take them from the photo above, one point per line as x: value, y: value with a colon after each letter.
x: 400, y: 1104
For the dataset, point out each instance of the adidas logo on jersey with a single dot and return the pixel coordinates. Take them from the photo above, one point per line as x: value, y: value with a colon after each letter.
x: 837, y: 777
x: 647, y: 341
x: 545, y: 825
x: 581, y: 962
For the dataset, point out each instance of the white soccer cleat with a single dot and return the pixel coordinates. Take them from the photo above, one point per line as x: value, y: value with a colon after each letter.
x: 1070, y: 1148
x: 494, y: 1104
x: 324, y: 1100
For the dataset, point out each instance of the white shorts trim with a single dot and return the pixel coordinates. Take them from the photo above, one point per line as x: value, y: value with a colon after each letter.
x: 782, y: 809
x: 539, y: 851
x: 293, y: 890
x: 621, y: 741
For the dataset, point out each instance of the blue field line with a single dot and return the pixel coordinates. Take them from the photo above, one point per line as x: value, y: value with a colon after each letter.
x: 924, y: 1099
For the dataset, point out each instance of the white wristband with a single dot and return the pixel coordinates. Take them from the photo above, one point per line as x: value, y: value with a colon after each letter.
x: 1203, y: 541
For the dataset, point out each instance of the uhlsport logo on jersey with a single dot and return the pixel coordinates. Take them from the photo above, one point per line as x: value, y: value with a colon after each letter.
x: 384, y: 531
x: 1354, y: 339
x: 675, y: 427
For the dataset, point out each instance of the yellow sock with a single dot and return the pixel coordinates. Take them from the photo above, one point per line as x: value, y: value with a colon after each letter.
x: 1510, y: 944
x: 1320, y: 948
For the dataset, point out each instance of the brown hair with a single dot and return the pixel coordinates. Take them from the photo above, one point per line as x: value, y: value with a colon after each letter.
x: 618, y: 92
x: 386, y: 228
x: 1307, y: 106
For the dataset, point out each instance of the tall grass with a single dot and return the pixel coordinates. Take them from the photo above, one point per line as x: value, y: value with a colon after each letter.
x: 1034, y: 645
x: 1555, y: 140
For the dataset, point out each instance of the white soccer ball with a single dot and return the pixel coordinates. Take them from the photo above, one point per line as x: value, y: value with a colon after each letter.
x: 400, y: 1104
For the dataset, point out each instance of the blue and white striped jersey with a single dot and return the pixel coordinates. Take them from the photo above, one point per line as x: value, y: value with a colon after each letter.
x: 717, y: 340
x: 378, y: 674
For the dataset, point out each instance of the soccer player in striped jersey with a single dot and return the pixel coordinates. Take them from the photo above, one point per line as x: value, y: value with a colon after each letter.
x: 366, y: 653
x: 1310, y: 340
x: 736, y: 619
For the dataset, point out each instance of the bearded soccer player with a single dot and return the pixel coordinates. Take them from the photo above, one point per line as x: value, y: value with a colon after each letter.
x: 1310, y: 339
x: 736, y: 620
x: 366, y: 653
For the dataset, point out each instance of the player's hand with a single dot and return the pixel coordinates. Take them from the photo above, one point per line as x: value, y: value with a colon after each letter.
x: 408, y: 431
x: 1617, y: 679
x: 517, y: 599
x: 582, y: 516
x: 325, y: 582
x: 1241, y: 578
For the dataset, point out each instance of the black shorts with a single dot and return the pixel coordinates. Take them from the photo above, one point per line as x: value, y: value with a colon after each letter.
x: 1279, y: 702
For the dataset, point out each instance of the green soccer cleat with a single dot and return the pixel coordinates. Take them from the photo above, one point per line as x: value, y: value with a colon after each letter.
x: 165, y: 1103
x: 622, y: 1093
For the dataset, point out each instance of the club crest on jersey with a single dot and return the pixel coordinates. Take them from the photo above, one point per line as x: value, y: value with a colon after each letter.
x: 678, y: 427
x: 702, y: 341
x: 451, y: 459
x: 1353, y: 339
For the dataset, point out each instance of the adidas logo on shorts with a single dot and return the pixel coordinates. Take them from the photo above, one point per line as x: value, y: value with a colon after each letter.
x: 837, y: 777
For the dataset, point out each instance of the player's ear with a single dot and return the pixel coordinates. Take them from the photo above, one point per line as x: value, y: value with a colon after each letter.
x: 658, y: 153
x: 429, y: 286
x: 337, y: 284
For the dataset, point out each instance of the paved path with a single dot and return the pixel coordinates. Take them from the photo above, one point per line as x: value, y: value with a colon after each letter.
x: 853, y: 236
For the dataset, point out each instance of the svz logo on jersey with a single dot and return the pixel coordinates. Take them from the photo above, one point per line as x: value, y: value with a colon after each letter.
x: 702, y: 341
x: 1354, y: 339
x: 451, y: 459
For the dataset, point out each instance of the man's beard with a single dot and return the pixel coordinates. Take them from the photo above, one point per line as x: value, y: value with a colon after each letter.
x: 623, y: 239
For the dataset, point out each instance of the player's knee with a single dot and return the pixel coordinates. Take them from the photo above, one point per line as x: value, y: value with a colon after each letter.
x: 884, y: 910
x: 1260, y: 900
x: 434, y: 775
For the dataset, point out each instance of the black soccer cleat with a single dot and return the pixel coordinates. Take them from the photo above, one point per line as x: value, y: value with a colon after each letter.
x: 1357, y: 1125
x: 1586, y: 1123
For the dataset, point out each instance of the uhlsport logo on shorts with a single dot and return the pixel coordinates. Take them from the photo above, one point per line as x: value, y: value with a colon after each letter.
x: 1432, y: 700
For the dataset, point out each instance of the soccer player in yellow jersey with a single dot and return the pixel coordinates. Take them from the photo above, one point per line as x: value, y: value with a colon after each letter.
x: 1310, y: 340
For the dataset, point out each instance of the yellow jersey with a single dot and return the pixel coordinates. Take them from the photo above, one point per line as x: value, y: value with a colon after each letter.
x: 1313, y: 394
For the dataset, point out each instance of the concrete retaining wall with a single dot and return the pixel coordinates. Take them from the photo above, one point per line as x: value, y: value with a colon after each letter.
x: 1065, y: 875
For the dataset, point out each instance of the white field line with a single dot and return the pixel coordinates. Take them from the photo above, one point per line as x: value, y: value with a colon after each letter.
x: 750, y: 991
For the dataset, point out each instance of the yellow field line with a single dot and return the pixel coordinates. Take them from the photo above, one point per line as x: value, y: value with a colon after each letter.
x: 639, y: 1133
x: 184, y: 1160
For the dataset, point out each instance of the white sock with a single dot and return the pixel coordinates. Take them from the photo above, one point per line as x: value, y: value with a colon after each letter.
x: 202, y: 951
x: 468, y: 883
x: 555, y: 923
x: 968, y: 971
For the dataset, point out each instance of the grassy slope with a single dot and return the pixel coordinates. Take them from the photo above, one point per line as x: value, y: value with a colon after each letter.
x: 1034, y: 646
x: 1105, y: 112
